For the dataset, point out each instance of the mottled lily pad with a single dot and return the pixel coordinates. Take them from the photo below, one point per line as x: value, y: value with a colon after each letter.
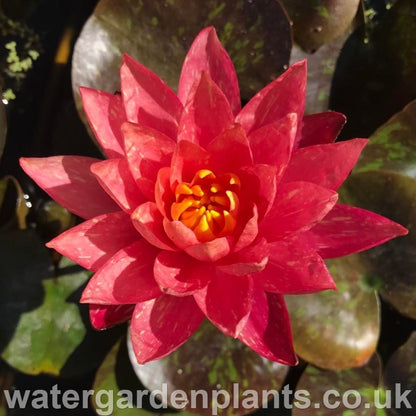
x: 211, y: 361
x: 256, y: 34
x: 356, y: 391
x: 337, y: 330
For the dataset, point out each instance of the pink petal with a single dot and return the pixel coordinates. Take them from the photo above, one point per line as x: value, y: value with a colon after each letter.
x: 249, y: 232
x: 163, y: 195
x: 233, y: 142
x: 284, y: 95
x: 147, y: 151
x: 179, y: 233
x: 149, y: 223
x: 327, y: 165
x: 207, y: 54
x: 148, y: 101
x: 207, y: 113
x: 272, y: 144
x: 95, y: 241
x: 126, y: 278
x: 107, y: 316
x: 181, y: 275
x: 161, y: 325
x: 347, y: 230
x: 105, y: 113
x: 294, y: 268
x: 268, y: 331
x: 68, y: 180
x: 320, y: 128
x: 227, y: 302
x: 115, y: 177
x: 298, y: 207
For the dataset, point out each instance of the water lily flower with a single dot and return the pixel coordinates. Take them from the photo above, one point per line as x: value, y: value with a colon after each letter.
x: 204, y: 208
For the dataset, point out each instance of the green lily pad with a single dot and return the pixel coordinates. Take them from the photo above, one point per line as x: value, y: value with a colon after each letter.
x: 256, y: 34
x: 318, y: 22
x: 3, y: 127
x: 400, y: 375
x: 337, y: 329
x: 363, y: 380
x: 211, y: 361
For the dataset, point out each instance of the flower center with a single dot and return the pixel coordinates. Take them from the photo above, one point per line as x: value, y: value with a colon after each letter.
x: 208, y: 205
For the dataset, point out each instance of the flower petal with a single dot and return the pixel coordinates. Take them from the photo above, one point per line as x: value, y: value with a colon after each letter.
x: 298, y: 207
x: 347, y: 230
x: 148, y: 101
x: 161, y: 325
x: 294, y: 268
x: 284, y: 95
x: 249, y: 231
x: 105, y: 113
x: 68, y: 180
x: 147, y: 151
x: 268, y: 331
x: 207, y: 113
x: 149, y: 223
x: 95, y: 241
x: 107, y: 316
x: 126, y: 278
x: 115, y: 177
x: 227, y: 301
x: 163, y: 195
x: 320, y: 128
x: 181, y: 275
x: 207, y: 54
x: 326, y: 165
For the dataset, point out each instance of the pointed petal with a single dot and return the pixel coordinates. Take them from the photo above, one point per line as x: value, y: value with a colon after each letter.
x: 95, y: 241
x: 107, y: 316
x: 320, y: 128
x: 181, y: 275
x: 284, y: 95
x: 294, y: 268
x: 347, y: 230
x: 298, y: 207
x: 327, y: 165
x: 161, y: 325
x: 105, y: 113
x: 227, y: 301
x: 163, y: 195
x: 268, y: 331
x: 68, y: 180
x: 126, y: 278
x: 115, y: 177
x: 149, y: 223
x: 147, y: 151
x: 249, y: 231
x: 207, y: 54
x: 210, y: 251
x: 207, y: 113
x: 148, y: 101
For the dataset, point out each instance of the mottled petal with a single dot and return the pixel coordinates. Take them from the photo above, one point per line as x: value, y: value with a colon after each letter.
x: 181, y: 275
x: 105, y: 113
x: 107, y: 316
x: 284, y: 95
x: 207, y: 113
x: 68, y: 180
x: 148, y: 101
x: 207, y: 54
x: 327, y: 165
x: 95, y: 241
x: 161, y: 325
x: 347, y: 230
x: 115, y: 177
x: 298, y: 207
x: 126, y: 278
x: 227, y: 301
x: 268, y: 331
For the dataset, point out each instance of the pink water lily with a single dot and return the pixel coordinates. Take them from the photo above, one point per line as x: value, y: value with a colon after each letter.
x: 204, y: 209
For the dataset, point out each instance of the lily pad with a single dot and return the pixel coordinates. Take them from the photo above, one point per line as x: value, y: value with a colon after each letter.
x: 337, y: 330
x: 318, y: 22
x: 213, y: 362
x: 256, y: 34
x: 3, y: 127
x: 363, y: 380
